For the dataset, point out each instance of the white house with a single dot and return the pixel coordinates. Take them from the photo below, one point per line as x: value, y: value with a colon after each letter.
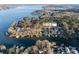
x: 49, y: 24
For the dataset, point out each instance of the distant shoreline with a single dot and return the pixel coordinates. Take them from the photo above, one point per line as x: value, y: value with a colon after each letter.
x: 7, y: 6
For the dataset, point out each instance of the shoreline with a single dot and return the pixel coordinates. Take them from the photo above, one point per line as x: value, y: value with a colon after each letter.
x: 41, y: 25
x: 40, y: 47
x: 7, y: 6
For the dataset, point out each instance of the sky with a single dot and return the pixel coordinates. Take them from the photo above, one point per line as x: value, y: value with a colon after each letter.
x: 39, y: 1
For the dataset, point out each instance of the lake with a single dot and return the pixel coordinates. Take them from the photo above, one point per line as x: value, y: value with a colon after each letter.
x: 11, y: 15
x: 7, y: 17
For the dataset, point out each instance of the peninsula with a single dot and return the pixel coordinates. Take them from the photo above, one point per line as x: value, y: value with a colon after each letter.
x: 50, y: 23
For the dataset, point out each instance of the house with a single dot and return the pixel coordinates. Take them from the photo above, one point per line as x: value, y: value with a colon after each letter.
x: 51, y: 29
x: 50, y: 24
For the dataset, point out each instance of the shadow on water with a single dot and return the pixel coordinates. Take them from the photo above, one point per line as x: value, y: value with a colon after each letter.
x: 67, y: 42
x: 26, y: 42
x: 57, y: 40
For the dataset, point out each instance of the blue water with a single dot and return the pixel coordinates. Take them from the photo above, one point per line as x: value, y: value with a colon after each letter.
x: 9, y: 16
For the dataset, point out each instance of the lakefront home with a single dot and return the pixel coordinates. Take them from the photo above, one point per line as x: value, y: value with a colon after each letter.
x: 51, y: 29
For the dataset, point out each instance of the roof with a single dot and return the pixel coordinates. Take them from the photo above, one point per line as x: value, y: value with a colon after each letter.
x: 50, y: 24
